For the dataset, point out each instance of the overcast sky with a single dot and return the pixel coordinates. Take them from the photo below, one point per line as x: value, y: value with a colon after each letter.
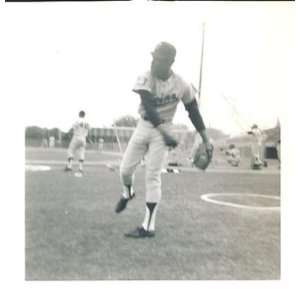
x: 66, y: 57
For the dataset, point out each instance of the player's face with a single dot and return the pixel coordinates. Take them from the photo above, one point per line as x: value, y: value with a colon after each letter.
x: 161, y: 66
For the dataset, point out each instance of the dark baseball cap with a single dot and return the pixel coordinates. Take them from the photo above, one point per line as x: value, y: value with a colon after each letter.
x: 166, y: 50
x: 82, y: 113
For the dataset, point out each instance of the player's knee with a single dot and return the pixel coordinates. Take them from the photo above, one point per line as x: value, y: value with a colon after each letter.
x: 126, y: 177
x: 153, y: 179
x: 153, y: 189
x: 125, y: 172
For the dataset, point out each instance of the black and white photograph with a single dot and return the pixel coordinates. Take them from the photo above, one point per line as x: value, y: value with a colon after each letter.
x: 151, y: 138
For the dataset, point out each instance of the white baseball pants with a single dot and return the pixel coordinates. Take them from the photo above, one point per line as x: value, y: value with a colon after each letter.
x: 77, y: 144
x: 146, y: 141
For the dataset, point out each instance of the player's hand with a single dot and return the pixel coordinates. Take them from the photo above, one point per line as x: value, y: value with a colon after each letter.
x: 89, y: 141
x: 170, y: 141
x: 209, y: 149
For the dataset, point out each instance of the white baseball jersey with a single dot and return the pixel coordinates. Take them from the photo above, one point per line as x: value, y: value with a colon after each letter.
x: 81, y: 129
x: 258, y: 135
x: 167, y: 94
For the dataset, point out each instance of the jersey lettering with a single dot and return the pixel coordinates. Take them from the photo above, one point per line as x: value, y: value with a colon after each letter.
x: 81, y: 129
x: 167, y: 94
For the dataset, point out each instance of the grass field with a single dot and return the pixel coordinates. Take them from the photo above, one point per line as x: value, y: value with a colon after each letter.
x: 72, y: 232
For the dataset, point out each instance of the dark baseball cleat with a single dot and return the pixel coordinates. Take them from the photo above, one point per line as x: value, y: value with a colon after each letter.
x: 140, y: 232
x: 121, y: 205
x: 67, y: 169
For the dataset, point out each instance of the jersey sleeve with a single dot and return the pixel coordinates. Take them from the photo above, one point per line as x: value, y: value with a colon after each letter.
x: 188, y: 94
x: 143, y: 83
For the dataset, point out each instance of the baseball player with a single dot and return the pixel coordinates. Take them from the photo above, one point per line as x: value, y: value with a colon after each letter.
x: 160, y: 90
x: 257, y: 146
x: 80, y: 132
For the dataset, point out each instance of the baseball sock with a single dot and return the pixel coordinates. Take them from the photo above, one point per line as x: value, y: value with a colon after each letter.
x: 80, y: 164
x: 70, y: 161
x: 149, y: 221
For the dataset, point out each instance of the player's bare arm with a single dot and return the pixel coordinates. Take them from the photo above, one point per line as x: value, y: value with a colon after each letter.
x: 148, y: 104
x: 89, y: 140
x: 197, y: 120
x: 151, y: 114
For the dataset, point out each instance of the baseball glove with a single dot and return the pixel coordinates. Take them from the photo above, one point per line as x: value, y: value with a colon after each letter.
x: 203, y: 156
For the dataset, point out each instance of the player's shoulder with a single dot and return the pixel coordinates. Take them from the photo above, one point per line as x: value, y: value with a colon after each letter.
x: 180, y: 80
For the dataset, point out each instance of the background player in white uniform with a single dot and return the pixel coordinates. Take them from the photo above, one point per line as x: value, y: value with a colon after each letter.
x: 78, y: 142
x: 160, y: 90
x: 257, y: 145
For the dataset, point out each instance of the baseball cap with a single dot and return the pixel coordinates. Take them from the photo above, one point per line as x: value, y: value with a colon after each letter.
x: 82, y: 113
x: 165, y: 49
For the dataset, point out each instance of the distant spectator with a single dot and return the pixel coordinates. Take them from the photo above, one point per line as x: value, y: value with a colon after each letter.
x: 45, y: 139
x: 100, y: 144
x: 51, y: 141
x: 233, y: 155
x: 278, y: 146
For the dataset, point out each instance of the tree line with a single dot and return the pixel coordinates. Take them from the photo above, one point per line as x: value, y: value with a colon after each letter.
x: 39, y: 133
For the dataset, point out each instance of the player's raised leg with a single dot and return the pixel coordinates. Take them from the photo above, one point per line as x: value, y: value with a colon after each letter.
x: 133, y: 155
x: 70, y: 155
